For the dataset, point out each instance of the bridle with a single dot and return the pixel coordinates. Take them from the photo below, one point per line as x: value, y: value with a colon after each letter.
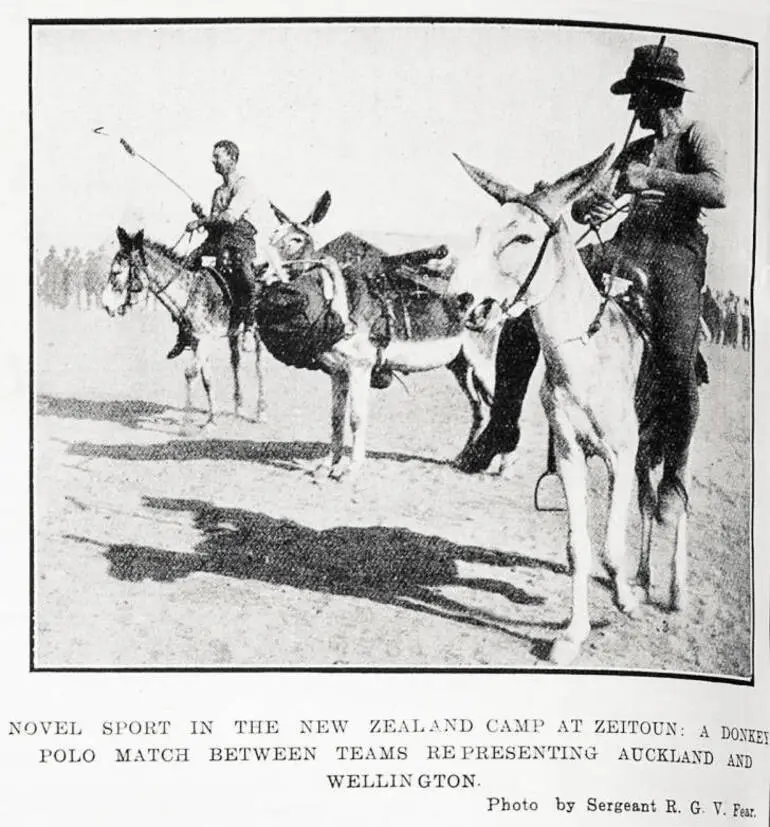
x: 553, y: 228
x: 137, y: 271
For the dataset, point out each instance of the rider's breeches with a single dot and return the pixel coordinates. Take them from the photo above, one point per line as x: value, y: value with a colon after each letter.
x: 235, y: 250
x: 676, y: 272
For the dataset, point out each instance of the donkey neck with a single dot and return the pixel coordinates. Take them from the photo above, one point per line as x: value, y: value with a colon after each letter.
x: 169, y: 279
x: 568, y: 309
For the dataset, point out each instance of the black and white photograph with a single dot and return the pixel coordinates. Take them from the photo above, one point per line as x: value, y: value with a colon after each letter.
x: 400, y: 345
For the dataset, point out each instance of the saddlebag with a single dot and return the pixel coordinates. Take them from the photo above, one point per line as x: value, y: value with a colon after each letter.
x: 296, y: 322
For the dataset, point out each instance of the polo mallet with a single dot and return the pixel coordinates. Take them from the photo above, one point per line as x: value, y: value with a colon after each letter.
x: 134, y: 154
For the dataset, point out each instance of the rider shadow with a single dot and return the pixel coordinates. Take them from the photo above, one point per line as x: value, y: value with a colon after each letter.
x: 286, y: 455
x: 393, y: 566
x: 133, y: 413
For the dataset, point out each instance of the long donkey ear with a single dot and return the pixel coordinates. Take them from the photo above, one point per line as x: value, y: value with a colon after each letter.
x: 124, y: 239
x: 502, y: 193
x: 139, y: 240
x: 555, y: 197
x: 320, y: 210
x: 280, y: 215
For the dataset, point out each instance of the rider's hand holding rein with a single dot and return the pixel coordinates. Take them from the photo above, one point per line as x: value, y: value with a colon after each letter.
x: 597, y: 206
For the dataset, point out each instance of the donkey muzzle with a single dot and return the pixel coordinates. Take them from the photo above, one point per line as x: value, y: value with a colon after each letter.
x: 465, y: 301
x: 485, y: 315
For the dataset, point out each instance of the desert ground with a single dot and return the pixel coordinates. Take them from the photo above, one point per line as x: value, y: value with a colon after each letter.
x: 158, y: 545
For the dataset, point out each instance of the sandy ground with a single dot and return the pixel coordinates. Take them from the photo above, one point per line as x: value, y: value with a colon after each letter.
x: 155, y: 548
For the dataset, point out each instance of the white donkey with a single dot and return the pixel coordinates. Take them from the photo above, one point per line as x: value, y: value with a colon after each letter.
x: 524, y: 258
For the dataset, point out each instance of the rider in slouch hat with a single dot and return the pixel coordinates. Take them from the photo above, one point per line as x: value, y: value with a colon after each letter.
x: 230, y: 238
x: 671, y: 175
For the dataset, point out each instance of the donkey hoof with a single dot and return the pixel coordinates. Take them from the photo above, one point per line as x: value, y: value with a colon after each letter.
x: 339, y: 471
x: 632, y: 609
x: 323, y: 469
x: 507, y: 468
x: 677, y: 601
x: 628, y: 601
x: 564, y: 651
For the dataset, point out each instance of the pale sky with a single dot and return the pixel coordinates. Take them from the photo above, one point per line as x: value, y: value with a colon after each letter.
x: 371, y: 112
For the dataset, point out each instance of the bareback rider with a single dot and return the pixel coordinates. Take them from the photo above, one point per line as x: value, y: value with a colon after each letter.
x: 230, y: 239
x: 671, y: 175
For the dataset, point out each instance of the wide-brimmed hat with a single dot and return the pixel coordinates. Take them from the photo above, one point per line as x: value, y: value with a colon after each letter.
x: 651, y: 64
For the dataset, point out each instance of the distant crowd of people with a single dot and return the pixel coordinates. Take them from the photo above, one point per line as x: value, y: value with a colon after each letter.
x: 728, y: 317
x: 76, y: 279
x: 72, y: 278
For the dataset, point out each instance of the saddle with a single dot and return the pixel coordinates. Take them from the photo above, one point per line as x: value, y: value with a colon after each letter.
x: 627, y: 287
x: 241, y: 301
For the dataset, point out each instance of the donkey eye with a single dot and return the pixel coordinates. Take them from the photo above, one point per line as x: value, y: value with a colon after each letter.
x: 521, y: 238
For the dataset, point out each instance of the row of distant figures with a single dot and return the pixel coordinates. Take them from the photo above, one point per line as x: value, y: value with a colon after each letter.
x: 728, y: 318
x: 83, y: 299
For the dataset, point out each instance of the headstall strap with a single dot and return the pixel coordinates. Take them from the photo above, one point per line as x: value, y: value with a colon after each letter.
x: 176, y: 312
x: 552, y: 230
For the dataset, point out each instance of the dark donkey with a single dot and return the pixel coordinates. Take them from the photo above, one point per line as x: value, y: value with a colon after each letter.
x: 387, y: 323
x: 193, y: 296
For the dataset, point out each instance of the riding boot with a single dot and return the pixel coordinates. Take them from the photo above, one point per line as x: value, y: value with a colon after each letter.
x: 184, y: 339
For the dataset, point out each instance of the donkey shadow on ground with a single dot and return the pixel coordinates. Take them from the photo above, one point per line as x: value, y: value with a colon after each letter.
x: 287, y: 455
x: 389, y: 565
x: 140, y: 414
x: 132, y: 413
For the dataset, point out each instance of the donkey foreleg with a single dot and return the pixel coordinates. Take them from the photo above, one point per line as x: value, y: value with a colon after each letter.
x: 572, y: 469
x: 616, y: 559
x: 678, y: 589
x: 260, y: 375
x: 359, y: 378
x: 202, y: 355
x: 191, y: 372
x: 647, y: 507
x: 340, y: 385
x: 235, y: 365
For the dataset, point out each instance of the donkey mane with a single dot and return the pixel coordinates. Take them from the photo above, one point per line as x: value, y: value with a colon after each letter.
x: 166, y: 252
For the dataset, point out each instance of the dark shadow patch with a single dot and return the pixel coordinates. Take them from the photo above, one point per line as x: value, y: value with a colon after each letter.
x: 132, y: 413
x: 388, y: 565
x: 279, y: 454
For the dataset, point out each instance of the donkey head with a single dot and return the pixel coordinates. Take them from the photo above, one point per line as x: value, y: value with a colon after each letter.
x: 291, y: 239
x: 509, y: 261
x: 123, y: 281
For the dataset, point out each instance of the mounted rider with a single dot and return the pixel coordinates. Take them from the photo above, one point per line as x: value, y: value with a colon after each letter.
x: 231, y: 238
x: 671, y: 175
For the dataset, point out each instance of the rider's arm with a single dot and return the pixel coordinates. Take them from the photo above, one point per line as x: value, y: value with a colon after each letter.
x: 242, y: 199
x: 599, y: 202
x: 705, y: 185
